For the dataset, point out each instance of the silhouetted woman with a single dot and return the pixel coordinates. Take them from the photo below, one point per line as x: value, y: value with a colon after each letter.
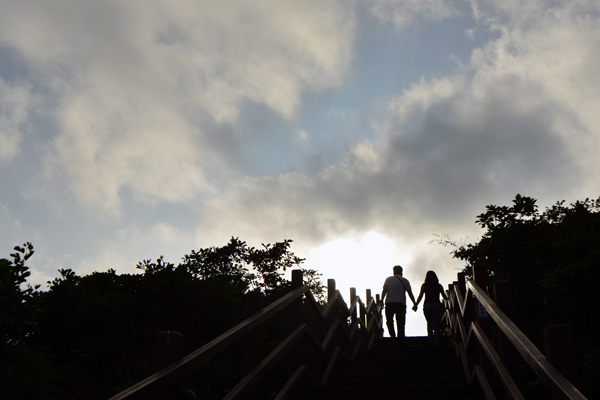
x: 432, y: 308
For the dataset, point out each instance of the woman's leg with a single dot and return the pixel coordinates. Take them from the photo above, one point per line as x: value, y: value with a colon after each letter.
x: 427, y: 310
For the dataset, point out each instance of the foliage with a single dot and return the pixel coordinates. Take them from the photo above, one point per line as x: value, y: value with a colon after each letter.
x: 552, y: 260
x: 92, y: 336
x: 260, y: 268
x: 17, y: 312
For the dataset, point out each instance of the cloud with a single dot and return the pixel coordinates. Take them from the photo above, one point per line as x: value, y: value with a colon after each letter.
x: 131, y: 244
x: 138, y: 89
x: 516, y: 119
x: 8, y: 219
x: 403, y: 13
x: 15, y: 106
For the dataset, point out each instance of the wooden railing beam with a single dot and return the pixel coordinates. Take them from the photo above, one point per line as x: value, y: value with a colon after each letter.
x: 510, y: 386
x: 161, y: 380
x: 340, y: 336
x: 508, y: 352
x: 536, y: 360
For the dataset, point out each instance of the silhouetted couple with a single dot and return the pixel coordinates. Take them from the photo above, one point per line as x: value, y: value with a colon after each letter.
x: 394, y: 293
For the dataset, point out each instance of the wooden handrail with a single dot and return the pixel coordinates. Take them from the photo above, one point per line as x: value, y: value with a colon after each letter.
x: 505, y: 378
x: 161, y: 380
x: 333, y: 314
x: 536, y: 360
x: 457, y: 305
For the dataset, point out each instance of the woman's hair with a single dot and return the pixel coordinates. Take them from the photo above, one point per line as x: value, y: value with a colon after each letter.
x: 431, y: 277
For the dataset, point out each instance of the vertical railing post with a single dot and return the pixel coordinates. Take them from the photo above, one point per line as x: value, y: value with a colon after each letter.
x: 330, y: 288
x: 558, y: 341
x: 480, y: 278
x: 316, y: 324
x: 254, y: 301
x: 378, y: 317
x: 169, y: 348
x: 468, y: 316
x: 353, y: 303
x: 509, y: 354
x: 448, y: 305
x: 462, y: 285
x: 362, y: 312
x: 296, y: 315
x: 369, y: 316
x: 451, y: 295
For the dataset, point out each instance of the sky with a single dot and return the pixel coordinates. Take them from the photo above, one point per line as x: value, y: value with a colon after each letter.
x: 363, y: 130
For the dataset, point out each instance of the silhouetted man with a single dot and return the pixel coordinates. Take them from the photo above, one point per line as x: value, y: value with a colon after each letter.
x: 395, y: 288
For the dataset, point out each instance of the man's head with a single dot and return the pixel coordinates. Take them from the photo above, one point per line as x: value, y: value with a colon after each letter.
x: 397, y: 270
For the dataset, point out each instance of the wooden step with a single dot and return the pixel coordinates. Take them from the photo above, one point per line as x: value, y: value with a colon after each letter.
x: 413, y: 369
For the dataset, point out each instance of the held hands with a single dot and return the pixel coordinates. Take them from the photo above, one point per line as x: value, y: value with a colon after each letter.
x: 415, y: 307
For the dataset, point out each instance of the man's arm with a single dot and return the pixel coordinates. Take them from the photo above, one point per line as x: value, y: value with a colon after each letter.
x: 410, y: 294
x: 383, y: 293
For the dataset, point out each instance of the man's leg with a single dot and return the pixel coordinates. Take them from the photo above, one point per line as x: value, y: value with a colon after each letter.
x: 401, y: 320
x: 389, y: 319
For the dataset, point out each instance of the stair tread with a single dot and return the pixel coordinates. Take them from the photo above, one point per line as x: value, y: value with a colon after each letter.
x: 412, y: 370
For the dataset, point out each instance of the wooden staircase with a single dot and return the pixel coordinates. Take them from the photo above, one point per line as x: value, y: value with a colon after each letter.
x: 390, y: 370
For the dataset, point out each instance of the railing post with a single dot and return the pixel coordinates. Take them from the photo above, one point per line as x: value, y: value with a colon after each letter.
x: 378, y: 318
x: 254, y: 301
x: 369, y: 299
x: 509, y: 354
x: 316, y: 324
x: 480, y: 278
x: 462, y: 285
x: 363, y: 314
x: 296, y: 315
x: 558, y: 341
x: 353, y: 303
x: 468, y: 315
x: 330, y: 288
x: 169, y: 348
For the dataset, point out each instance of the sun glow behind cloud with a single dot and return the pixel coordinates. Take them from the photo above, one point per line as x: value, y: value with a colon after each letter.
x: 370, y: 256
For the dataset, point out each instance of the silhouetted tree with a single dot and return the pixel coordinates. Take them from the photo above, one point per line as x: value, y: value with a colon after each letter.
x: 92, y: 336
